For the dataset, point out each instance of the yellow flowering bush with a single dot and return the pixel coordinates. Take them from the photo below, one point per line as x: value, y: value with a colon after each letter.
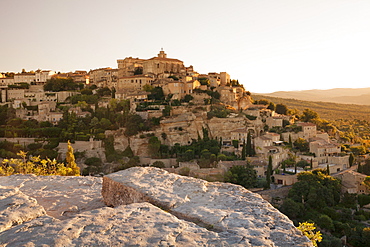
x: 36, y: 165
x: 308, y: 230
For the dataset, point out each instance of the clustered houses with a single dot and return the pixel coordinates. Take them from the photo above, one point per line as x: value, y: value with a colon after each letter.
x: 174, y: 78
x: 37, y: 77
x: 185, y: 124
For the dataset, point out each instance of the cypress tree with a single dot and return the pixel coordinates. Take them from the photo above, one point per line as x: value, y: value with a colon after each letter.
x: 359, y: 168
x: 351, y: 159
x: 73, y: 169
x: 249, y: 145
x: 244, y: 151
x: 269, y: 173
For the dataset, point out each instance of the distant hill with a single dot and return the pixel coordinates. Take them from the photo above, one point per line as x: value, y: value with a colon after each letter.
x: 326, y: 110
x: 359, y: 96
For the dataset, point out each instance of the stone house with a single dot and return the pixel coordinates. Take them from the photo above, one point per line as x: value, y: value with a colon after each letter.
x: 352, y: 182
x: 128, y: 66
x: 309, y: 130
x: 227, y: 95
x: 239, y: 134
x: 323, y: 149
x: 273, y: 136
x: 136, y: 96
x: 274, y: 121
x: 162, y: 67
x: 78, y: 111
x: 25, y: 78
x: 5, y: 81
x: 180, y: 88
x: 260, y: 166
x: 285, y: 179
x: 260, y: 142
x: 133, y: 83
x: 54, y: 117
x: 333, y: 167
x: 104, y: 77
x: 43, y: 75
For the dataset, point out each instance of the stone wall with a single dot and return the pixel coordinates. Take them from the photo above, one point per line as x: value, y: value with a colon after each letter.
x: 269, y: 195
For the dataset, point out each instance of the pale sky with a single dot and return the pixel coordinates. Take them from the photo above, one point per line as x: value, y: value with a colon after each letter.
x: 268, y: 45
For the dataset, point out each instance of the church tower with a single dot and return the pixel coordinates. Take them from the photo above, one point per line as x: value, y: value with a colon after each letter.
x: 162, y: 54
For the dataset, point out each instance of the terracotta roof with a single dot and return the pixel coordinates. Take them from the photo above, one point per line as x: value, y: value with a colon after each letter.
x: 241, y: 130
x: 165, y: 59
x: 136, y: 76
x: 264, y: 138
x: 272, y: 134
x: 306, y: 124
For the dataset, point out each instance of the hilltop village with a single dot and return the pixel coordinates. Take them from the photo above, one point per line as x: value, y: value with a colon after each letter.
x: 167, y: 115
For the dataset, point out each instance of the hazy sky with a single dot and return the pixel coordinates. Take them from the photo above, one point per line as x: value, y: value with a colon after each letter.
x: 268, y: 45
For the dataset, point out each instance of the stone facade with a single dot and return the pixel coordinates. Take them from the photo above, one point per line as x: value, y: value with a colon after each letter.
x: 161, y: 66
x: 104, y: 77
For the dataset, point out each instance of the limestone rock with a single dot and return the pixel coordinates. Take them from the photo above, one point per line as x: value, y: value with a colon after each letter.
x: 230, y: 209
x: 132, y: 225
x: 61, y: 196
x: 163, y: 209
x: 16, y: 208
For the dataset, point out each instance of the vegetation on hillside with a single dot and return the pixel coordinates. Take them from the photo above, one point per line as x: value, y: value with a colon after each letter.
x: 326, y: 110
x: 316, y: 197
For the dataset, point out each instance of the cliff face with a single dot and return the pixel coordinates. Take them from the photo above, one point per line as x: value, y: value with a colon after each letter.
x: 181, y: 129
x: 151, y: 208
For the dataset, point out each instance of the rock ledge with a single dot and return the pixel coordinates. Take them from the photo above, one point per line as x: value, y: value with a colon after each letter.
x: 237, y: 215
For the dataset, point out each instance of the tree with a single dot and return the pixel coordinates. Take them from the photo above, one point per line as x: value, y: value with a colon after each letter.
x: 158, y: 164
x: 72, y: 168
x: 351, y: 159
x: 302, y: 145
x: 128, y: 152
x: 271, y: 106
x: 154, y: 146
x: 309, y: 115
x: 269, y: 173
x: 166, y: 111
x: 365, y: 168
x: 249, y: 148
x: 156, y: 94
x: 235, y: 143
x: 302, y: 163
x: 366, y: 182
x: 245, y: 176
x: 138, y: 71
x: 316, y: 190
x: 57, y: 84
x: 94, y: 166
x: 325, y: 222
x: 188, y: 98
x: 281, y: 109
x: 105, y: 91
x: 291, y: 208
x: 244, y: 151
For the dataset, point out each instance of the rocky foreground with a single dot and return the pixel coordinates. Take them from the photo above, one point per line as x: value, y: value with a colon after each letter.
x: 150, y: 208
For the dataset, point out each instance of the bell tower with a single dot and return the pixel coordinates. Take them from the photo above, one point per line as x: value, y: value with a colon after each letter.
x: 162, y: 54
